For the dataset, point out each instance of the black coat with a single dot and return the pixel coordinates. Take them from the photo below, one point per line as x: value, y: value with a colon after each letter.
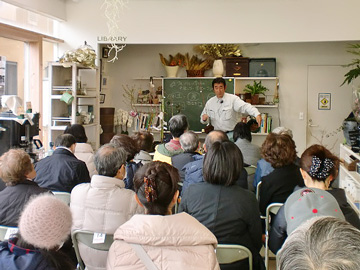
x: 180, y: 160
x: 230, y: 213
x: 61, y: 172
x: 278, y: 234
x: 278, y: 185
x: 13, y: 200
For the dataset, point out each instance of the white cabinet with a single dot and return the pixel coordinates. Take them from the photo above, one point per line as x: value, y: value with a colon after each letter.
x: 82, y: 83
x: 350, y: 180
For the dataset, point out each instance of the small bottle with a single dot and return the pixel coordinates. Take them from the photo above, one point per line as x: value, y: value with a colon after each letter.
x: 51, y: 149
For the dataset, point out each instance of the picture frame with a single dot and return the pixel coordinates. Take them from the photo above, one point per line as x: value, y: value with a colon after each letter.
x: 105, y: 52
x: 102, y: 98
x: 104, y: 82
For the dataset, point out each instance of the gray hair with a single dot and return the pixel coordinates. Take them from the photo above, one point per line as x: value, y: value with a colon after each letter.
x: 189, y: 141
x: 319, y: 244
x: 109, y: 159
x: 283, y: 130
x: 215, y: 136
x: 178, y: 124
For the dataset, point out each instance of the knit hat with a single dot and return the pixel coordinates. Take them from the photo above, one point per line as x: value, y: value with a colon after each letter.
x: 45, y: 222
x: 306, y: 203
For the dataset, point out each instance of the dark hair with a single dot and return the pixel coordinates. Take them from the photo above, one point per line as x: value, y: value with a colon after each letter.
x: 65, y: 140
x: 144, y: 140
x: 322, y: 153
x: 279, y: 150
x: 177, y: 125
x: 218, y: 80
x: 164, y: 179
x: 242, y: 131
x: 215, y: 136
x: 126, y: 143
x: 78, y: 131
x: 14, y: 165
x: 109, y: 159
x: 56, y: 258
x: 223, y: 164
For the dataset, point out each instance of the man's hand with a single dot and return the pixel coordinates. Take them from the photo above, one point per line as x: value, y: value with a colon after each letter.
x: 205, y: 117
x: 258, y: 119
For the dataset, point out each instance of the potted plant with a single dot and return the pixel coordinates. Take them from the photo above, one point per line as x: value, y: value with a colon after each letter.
x: 195, y: 66
x: 172, y: 64
x: 255, y: 90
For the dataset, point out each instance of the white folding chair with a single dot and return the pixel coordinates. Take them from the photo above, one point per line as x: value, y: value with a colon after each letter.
x: 6, y: 232
x: 271, y: 209
x: 258, y: 187
x: 63, y: 196
x: 86, y: 238
x: 251, y: 176
x: 227, y: 253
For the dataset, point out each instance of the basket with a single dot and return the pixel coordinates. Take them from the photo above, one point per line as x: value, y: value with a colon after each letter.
x: 195, y: 73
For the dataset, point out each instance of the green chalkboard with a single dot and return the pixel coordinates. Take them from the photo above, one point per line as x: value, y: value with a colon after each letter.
x: 188, y: 96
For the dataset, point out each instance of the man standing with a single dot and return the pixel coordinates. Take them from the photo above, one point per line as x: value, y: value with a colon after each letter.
x: 62, y: 170
x: 221, y: 110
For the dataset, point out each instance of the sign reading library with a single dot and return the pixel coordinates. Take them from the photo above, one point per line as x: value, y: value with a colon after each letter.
x: 324, y: 101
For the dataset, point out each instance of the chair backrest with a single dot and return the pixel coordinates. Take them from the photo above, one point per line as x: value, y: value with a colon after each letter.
x: 87, y: 238
x: 227, y: 253
x: 64, y: 196
x: 6, y: 232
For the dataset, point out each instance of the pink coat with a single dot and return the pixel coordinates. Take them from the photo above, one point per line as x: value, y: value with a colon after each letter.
x: 172, y: 242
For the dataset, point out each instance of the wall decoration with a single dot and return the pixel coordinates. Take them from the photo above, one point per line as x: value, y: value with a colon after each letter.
x: 105, y: 52
x: 324, y: 101
x: 102, y: 98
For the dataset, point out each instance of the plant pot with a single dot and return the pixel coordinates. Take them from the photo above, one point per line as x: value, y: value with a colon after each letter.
x: 218, y: 68
x: 255, y: 99
x: 347, y: 127
x: 195, y: 73
x: 261, y: 100
x: 355, y: 106
x: 171, y: 71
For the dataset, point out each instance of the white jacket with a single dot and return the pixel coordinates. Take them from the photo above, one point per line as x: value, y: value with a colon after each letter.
x: 101, y: 206
x: 172, y: 242
x: 84, y: 152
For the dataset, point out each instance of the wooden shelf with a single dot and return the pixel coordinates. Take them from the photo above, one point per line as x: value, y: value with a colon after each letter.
x: 259, y: 134
x: 146, y: 105
x: 267, y: 106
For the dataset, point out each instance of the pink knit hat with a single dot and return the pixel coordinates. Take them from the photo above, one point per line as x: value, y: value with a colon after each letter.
x: 45, y: 222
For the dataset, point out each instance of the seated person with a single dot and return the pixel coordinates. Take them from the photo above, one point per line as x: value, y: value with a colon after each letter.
x: 83, y: 150
x: 280, y: 152
x: 242, y: 138
x: 62, y: 171
x: 194, y: 169
x: 190, y: 143
x: 44, y: 226
x: 321, y: 243
x: 145, y: 142
x: 229, y: 211
x: 318, y: 168
x: 103, y: 204
x: 263, y: 167
x: 177, y: 125
x: 17, y: 172
x: 170, y: 241
x: 131, y: 148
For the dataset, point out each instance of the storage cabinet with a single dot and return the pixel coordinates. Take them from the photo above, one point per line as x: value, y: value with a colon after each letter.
x: 80, y: 83
x: 350, y: 180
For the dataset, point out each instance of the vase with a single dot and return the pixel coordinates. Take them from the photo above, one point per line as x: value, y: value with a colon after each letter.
x: 171, y: 71
x: 255, y: 99
x: 355, y: 106
x: 218, y: 68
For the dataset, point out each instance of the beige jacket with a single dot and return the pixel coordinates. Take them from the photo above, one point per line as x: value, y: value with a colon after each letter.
x: 172, y: 242
x: 101, y: 206
x: 84, y: 152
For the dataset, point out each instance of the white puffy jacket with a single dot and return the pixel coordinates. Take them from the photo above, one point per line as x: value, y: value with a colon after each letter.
x: 84, y: 152
x: 101, y: 206
x: 172, y: 242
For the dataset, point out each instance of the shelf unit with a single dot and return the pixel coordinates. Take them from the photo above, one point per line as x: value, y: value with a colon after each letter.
x: 57, y: 114
x: 350, y: 180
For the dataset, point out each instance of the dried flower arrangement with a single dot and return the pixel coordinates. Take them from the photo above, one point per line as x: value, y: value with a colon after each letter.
x: 84, y: 55
x: 196, y: 63
x: 217, y: 51
x: 177, y: 60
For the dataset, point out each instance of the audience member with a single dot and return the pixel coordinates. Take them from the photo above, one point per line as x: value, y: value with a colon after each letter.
x: 321, y: 243
x: 44, y: 226
x: 242, y: 138
x: 104, y: 204
x: 17, y: 172
x: 168, y: 241
x: 194, y: 169
x: 280, y: 152
x: 83, y: 150
x: 190, y: 143
x: 229, y: 211
x: 145, y: 142
x: 62, y: 171
x: 319, y: 167
x: 131, y: 148
x: 178, y: 124
x: 263, y: 167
